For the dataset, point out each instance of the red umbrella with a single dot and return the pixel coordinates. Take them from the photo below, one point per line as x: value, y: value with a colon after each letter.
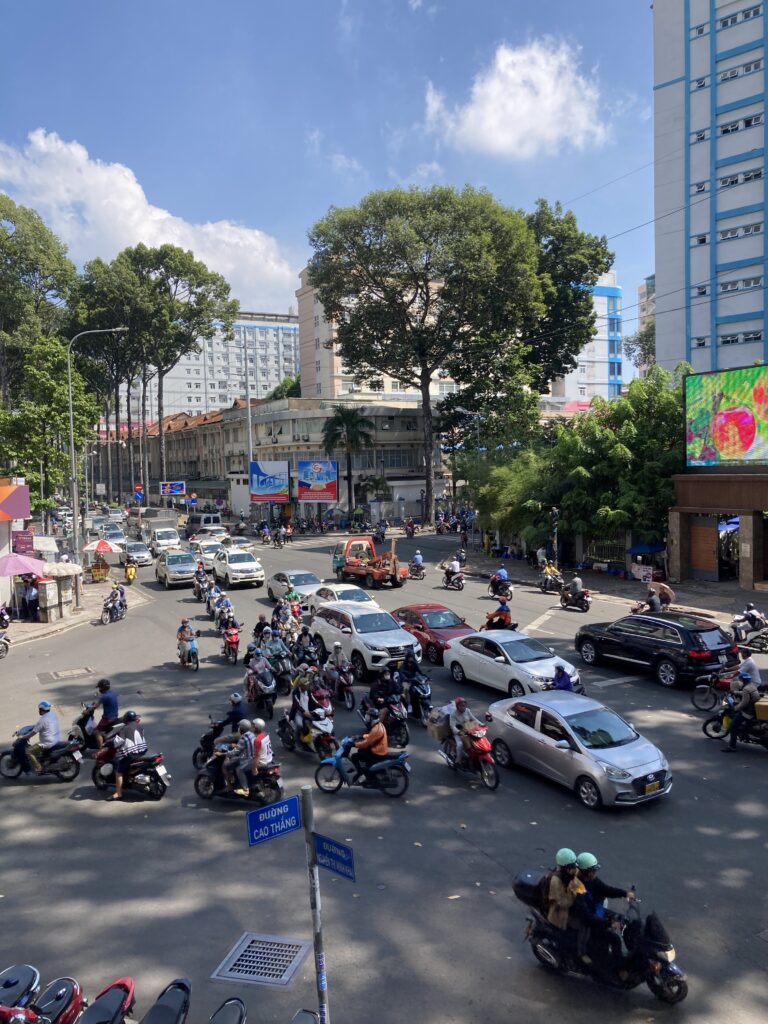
x: 20, y: 565
x: 102, y: 547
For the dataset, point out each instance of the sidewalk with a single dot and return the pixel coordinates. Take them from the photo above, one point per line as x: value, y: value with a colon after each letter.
x: 725, y: 599
x: 93, y: 600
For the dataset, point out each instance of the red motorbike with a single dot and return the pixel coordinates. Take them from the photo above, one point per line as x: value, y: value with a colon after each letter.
x: 340, y: 682
x: 479, y: 759
x: 231, y: 643
x: 295, y: 607
x: 62, y: 1002
x: 112, y: 1005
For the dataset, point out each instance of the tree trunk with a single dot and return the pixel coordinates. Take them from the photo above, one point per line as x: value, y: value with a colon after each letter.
x: 129, y: 420
x: 118, y: 447
x: 109, y: 455
x: 349, y: 483
x: 429, y: 449
x: 144, y: 436
x: 161, y: 431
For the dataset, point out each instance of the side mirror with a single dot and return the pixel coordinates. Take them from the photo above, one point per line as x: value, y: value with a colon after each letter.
x: 562, y: 745
x: 500, y: 659
x: 346, y: 630
x: 551, y: 650
x: 488, y: 716
x: 462, y: 618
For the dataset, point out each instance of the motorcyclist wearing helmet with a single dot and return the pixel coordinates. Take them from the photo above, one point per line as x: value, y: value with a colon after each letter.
x: 409, y: 673
x: 223, y: 605
x: 184, y: 634
x: 501, y: 576
x: 562, y: 679
x: 589, y: 913
x: 564, y: 886
x: 501, y: 618
x: 48, y: 733
x: 259, y: 667
x: 301, y: 703
x: 273, y: 646
x: 292, y: 594
x: 459, y: 718
x: 575, y: 587
x: 109, y: 703
x: 240, y: 758
x: 753, y: 618
x: 371, y: 747
x: 200, y: 574
x: 383, y: 689
x: 262, y: 745
x: 418, y: 559
x: 238, y: 710
x: 744, y: 709
x: 260, y: 627
x: 129, y: 743
x: 453, y: 569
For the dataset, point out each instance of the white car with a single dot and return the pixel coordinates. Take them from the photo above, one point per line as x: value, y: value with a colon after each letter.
x: 304, y: 583
x: 370, y: 637
x: 231, y: 567
x: 347, y: 592
x: 505, y: 660
x: 210, y: 533
x: 205, y: 552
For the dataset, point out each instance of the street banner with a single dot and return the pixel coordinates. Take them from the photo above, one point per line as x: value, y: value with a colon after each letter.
x: 318, y: 481
x: 172, y: 488
x: 269, y: 481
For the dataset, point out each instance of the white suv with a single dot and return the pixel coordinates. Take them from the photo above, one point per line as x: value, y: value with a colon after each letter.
x: 232, y: 566
x: 370, y: 637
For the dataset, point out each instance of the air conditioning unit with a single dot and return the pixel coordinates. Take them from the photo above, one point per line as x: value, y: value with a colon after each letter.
x: 305, y: 437
x: 274, y: 440
x: 385, y: 426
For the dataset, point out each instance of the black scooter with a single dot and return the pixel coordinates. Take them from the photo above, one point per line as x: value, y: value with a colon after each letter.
x: 207, y: 743
x: 19, y: 985
x: 265, y: 787
x: 172, y: 1005
x: 63, y: 759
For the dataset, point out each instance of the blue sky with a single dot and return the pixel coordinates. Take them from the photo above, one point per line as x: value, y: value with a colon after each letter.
x: 229, y: 127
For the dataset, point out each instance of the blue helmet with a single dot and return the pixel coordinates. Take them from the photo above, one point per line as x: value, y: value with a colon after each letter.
x: 44, y: 705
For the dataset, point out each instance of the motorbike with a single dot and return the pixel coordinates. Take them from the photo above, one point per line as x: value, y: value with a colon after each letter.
x: 113, y: 609
x: 495, y: 623
x: 417, y: 697
x: 231, y: 1011
x: 283, y: 673
x: 306, y: 654
x: 416, y: 572
x: 231, y: 644
x: 391, y: 776
x: 719, y: 725
x: 61, y: 1002
x: 207, y: 743
x: 582, y: 601
x: 265, y: 787
x: 5, y: 645
x: 500, y: 588
x: 649, y: 960
x: 19, y: 985
x: 83, y: 728
x: 394, y: 718
x: 317, y: 738
x: 146, y: 773
x: 551, y: 581
x: 751, y: 634
x: 172, y: 1005
x: 211, y: 598
x: 200, y: 588
x: 63, y: 759
x: 455, y: 582
x: 5, y: 617
x: 112, y: 1005
x: 130, y: 572
x: 340, y: 681
x: 261, y: 691
x: 709, y: 689
x: 277, y: 541
x: 479, y: 761
x: 192, y: 659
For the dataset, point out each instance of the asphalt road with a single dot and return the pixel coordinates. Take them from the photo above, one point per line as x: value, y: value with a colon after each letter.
x: 431, y: 931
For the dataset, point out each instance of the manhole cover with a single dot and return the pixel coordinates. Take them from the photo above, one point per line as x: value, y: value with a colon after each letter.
x: 46, y: 678
x: 262, y: 960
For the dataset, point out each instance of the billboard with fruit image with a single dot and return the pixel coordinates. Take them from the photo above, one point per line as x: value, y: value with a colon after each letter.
x: 726, y: 417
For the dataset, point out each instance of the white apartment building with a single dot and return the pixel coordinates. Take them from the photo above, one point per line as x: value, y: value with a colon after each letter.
x: 646, y: 309
x: 267, y: 344
x: 322, y: 375
x: 709, y: 90
x: 599, y: 370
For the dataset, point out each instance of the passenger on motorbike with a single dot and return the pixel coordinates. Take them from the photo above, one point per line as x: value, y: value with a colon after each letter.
x: 262, y: 745
x: 260, y: 627
x: 301, y: 706
x: 372, y: 746
x: 258, y: 665
x: 744, y: 709
x: 48, y: 733
x: 129, y: 743
x: 240, y: 759
x: 563, y: 888
x: 108, y: 701
x: 500, y: 576
x: 459, y: 718
x: 184, y: 634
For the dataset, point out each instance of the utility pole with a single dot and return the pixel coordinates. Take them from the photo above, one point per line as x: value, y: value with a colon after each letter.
x: 321, y: 977
x: 553, y: 519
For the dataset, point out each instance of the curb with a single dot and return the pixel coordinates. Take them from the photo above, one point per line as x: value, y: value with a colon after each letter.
x: 81, y: 619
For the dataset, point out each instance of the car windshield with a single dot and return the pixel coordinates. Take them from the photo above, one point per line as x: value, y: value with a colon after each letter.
x: 522, y: 651
x: 712, y: 639
x: 210, y: 549
x: 601, y: 728
x: 166, y: 534
x: 442, y: 620
x: 375, y: 622
x: 240, y: 556
x: 138, y: 549
x: 182, y: 558
x: 354, y: 595
x: 302, y: 579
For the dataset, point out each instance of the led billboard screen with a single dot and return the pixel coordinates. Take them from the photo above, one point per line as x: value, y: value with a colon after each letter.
x: 726, y: 418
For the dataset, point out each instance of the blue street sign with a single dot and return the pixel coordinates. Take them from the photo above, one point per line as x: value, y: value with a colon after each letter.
x: 139, y: 496
x: 334, y: 856
x: 191, y: 501
x: 273, y: 821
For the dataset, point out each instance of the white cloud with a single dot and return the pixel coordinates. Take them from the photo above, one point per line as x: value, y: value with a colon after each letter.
x: 313, y: 141
x: 100, y: 208
x: 415, y: 4
x: 346, y: 166
x: 429, y: 171
x: 532, y: 100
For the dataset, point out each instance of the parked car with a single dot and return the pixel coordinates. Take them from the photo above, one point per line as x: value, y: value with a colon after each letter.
x: 346, y: 592
x: 230, y: 567
x: 205, y: 551
x: 676, y: 646
x: 582, y: 745
x: 175, y: 568
x: 140, y: 552
x: 434, y: 626
x: 371, y: 639
x: 304, y: 583
x: 506, y: 660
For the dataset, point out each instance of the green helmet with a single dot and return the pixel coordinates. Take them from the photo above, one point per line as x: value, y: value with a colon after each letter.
x: 586, y: 861
x: 565, y: 857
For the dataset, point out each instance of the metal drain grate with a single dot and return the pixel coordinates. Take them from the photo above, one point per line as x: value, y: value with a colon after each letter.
x: 46, y: 678
x: 263, y: 960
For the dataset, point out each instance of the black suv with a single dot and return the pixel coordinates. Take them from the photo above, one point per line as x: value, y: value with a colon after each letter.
x: 675, y: 646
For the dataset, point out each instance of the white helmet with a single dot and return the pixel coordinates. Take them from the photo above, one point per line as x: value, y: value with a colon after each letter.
x: 337, y: 643
x: 259, y: 725
x: 223, y: 593
x: 244, y: 726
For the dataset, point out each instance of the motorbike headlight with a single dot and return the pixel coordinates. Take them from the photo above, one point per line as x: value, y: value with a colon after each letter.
x: 613, y: 772
x: 667, y: 955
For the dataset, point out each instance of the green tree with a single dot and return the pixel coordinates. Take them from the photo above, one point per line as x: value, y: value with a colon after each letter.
x: 288, y: 388
x: 640, y: 347
x: 35, y: 281
x: 351, y: 431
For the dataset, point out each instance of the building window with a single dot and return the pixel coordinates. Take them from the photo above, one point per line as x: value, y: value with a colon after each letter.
x: 730, y: 128
x: 700, y: 136
x: 701, y: 186
x: 729, y: 21
x: 699, y: 342
x: 447, y: 388
x: 751, y: 122
x: 317, y: 365
x: 582, y: 369
x: 751, y: 12
x: 725, y: 76
x: 701, y: 239
x: 318, y: 389
x: 582, y: 392
x: 753, y: 336
x: 317, y: 343
x: 729, y: 181
x: 755, y: 175
x: 701, y: 83
x: 702, y: 289
x: 752, y: 229
x: 755, y: 65
x: 729, y: 233
x: 729, y: 339
x: 729, y: 286
x: 752, y: 282
x: 699, y: 30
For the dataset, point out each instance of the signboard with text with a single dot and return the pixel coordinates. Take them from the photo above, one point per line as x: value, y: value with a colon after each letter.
x: 334, y: 856
x: 269, y: 481
x: 172, y: 488
x: 22, y: 541
x: 318, y: 480
x: 273, y: 821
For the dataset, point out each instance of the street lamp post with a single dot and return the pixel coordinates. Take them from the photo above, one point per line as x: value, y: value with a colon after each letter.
x: 73, y: 455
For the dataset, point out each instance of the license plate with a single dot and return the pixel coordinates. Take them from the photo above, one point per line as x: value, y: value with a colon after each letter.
x: 162, y: 771
x: 652, y: 787
x: 77, y: 755
x: 407, y: 766
x: 721, y: 659
x: 280, y: 784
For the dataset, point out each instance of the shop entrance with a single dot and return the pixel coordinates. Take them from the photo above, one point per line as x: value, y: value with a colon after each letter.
x: 704, y: 548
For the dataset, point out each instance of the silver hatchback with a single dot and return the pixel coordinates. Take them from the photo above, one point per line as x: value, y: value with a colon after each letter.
x: 581, y: 744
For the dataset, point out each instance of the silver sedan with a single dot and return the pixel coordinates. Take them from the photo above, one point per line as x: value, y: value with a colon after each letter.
x: 581, y: 744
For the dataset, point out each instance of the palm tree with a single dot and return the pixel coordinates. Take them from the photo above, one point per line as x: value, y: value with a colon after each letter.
x: 349, y: 429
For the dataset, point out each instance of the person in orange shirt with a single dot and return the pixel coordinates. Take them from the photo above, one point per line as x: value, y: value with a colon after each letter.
x: 372, y: 746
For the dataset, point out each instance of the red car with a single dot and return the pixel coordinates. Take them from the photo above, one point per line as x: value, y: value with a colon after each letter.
x: 434, y: 626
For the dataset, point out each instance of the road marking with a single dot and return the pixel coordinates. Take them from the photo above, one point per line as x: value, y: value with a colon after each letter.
x: 619, y: 681
x: 540, y: 621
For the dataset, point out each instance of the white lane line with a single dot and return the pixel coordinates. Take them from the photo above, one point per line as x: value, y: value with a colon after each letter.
x: 619, y: 681
x: 540, y: 621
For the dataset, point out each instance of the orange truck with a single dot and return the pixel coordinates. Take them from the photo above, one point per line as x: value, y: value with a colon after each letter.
x: 356, y: 559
